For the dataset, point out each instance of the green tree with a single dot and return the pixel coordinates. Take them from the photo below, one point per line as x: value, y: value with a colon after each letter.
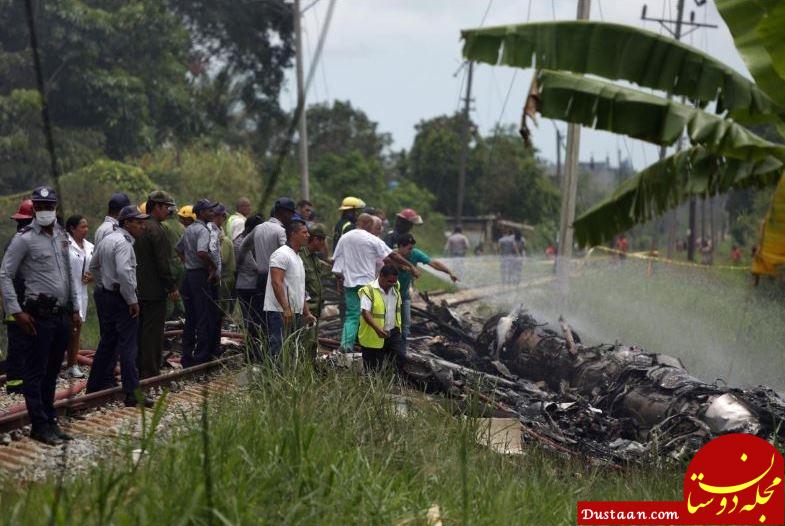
x: 512, y: 181
x: 434, y: 159
x: 340, y: 128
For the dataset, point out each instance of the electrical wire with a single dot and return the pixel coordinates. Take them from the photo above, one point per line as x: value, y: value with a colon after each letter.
x: 322, y: 62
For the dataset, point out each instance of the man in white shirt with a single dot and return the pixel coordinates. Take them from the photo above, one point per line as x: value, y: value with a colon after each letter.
x: 262, y: 241
x: 355, y: 264
x: 285, y: 305
x: 236, y: 222
x: 117, y: 202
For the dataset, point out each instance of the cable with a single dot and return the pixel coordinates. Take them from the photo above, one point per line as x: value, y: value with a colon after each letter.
x: 553, y: 9
x: 39, y: 78
x: 322, y: 62
x: 487, y: 10
x: 599, y: 5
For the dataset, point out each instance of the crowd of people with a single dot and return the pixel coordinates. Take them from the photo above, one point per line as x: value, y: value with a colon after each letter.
x: 154, y: 261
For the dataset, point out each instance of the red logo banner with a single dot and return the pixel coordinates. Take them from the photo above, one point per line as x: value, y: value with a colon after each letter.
x: 734, y: 479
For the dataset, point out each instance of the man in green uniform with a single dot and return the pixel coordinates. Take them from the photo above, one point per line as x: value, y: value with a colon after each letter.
x: 315, y: 270
x: 174, y: 229
x: 154, y: 283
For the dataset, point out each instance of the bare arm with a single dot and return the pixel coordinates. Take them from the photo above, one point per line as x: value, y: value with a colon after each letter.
x: 399, y: 260
x: 441, y: 267
x: 277, y: 278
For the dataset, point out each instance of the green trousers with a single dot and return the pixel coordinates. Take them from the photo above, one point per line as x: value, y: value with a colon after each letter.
x: 351, y: 320
x: 152, y: 314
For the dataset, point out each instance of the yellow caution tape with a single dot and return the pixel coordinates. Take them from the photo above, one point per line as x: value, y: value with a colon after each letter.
x: 649, y: 257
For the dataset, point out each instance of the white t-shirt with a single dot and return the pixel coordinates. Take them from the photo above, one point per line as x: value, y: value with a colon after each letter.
x: 294, y: 280
x: 390, y: 304
x: 355, y: 257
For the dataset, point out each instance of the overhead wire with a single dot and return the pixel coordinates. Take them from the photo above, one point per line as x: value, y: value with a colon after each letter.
x: 322, y: 62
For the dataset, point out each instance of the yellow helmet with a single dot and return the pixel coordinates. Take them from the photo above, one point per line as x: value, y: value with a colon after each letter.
x: 187, y: 212
x: 351, y: 203
x: 142, y: 207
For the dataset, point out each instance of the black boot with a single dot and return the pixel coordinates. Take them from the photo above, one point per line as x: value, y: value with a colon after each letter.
x: 131, y: 401
x: 62, y: 435
x: 45, y: 435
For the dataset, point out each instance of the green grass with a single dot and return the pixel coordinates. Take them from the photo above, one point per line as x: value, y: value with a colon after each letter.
x: 329, y: 449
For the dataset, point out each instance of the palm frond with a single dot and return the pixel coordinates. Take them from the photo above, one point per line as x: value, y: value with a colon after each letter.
x: 620, y: 52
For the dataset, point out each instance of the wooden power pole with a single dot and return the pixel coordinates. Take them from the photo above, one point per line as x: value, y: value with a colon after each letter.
x: 305, y: 189
x: 464, y: 161
x: 569, y: 186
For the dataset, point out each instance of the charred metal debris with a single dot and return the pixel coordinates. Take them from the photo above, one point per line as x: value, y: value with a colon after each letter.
x: 610, y: 403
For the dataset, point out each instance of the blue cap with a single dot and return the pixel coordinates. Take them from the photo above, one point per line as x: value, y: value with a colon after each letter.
x: 130, y: 212
x: 298, y: 218
x: 118, y: 201
x: 44, y: 194
x: 285, y: 203
x: 204, y: 204
x: 220, y: 209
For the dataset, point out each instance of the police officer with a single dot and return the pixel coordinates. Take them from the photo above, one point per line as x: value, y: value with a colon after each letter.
x: 155, y: 282
x: 117, y: 202
x: 17, y: 343
x: 199, y: 289
x: 114, y: 262
x: 39, y: 253
x: 315, y: 271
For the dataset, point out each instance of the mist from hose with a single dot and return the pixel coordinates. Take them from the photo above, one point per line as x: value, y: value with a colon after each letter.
x: 713, y: 320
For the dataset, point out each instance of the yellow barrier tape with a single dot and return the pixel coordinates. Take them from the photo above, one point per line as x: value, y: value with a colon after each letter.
x: 649, y: 257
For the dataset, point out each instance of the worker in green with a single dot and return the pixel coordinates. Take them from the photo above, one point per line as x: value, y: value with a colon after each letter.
x: 414, y: 256
x: 380, y: 320
x: 174, y: 228
x: 315, y: 271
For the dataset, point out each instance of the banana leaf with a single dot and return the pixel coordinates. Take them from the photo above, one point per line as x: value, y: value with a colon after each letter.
x: 769, y: 259
x: 611, y: 107
x: 667, y: 184
x: 756, y: 29
x: 620, y: 52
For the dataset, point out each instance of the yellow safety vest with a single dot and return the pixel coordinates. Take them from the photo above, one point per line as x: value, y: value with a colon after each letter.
x: 366, y: 334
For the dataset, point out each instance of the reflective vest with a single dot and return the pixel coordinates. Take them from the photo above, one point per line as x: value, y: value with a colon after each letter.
x: 366, y: 334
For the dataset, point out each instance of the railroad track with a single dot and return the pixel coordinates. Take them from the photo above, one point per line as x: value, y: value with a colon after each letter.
x: 94, y: 418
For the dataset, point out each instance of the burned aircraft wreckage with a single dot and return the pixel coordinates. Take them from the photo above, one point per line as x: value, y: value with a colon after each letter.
x: 614, y: 403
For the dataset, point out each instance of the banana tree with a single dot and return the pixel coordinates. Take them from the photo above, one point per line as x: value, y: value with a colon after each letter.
x: 724, y: 153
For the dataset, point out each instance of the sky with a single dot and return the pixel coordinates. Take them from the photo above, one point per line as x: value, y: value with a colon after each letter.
x: 400, y: 62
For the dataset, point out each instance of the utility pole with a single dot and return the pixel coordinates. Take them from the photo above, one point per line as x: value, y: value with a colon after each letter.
x: 570, y: 184
x: 303, y: 126
x: 464, y: 161
x: 676, y: 32
x: 558, y: 155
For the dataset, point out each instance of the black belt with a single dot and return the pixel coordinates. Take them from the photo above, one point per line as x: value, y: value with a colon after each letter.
x: 115, y: 288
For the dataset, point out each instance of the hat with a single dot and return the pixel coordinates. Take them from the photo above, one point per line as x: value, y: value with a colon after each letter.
x: 351, y: 203
x: 187, y: 212
x: 44, y: 194
x: 130, y: 212
x: 297, y: 218
x: 203, y: 204
x: 285, y: 203
x: 317, y: 230
x: 25, y: 210
x: 118, y: 201
x: 220, y: 209
x: 410, y: 215
x: 159, y: 196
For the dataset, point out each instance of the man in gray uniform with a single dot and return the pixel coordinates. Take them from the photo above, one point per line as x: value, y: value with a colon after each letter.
x: 262, y: 242
x: 114, y: 261
x: 39, y: 254
x: 117, y: 202
x: 199, y: 290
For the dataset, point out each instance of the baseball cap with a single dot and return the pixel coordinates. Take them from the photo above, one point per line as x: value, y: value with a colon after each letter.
x: 159, y: 196
x: 317, y: 230
x: 285, y: 203
x: 130, y: 212
x: 220, y: 209
x: 203, y: 204
x: 118, y: 201
x: 44, y: 194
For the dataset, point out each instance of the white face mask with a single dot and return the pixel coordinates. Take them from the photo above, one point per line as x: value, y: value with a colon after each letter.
x: 45, y: 217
